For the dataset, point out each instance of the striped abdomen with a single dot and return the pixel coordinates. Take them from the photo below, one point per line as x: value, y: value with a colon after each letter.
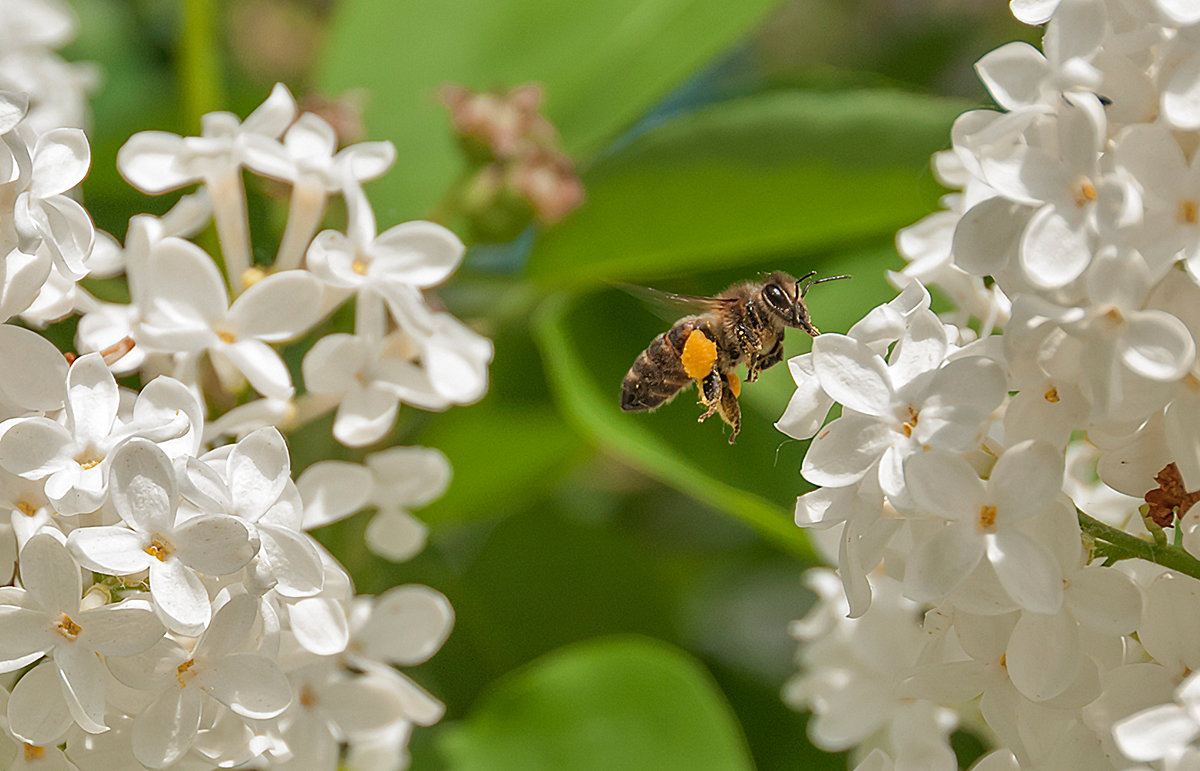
x: 658, y: 373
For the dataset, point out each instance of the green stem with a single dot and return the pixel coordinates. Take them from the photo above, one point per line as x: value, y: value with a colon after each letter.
x: 1119, y: 545
x: 199, y: 61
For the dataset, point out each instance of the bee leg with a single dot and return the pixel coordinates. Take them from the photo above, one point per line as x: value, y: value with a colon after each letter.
x: 731, y: 411
x: 710, y: 394
x: 762, y: 361
x: 747, y: 339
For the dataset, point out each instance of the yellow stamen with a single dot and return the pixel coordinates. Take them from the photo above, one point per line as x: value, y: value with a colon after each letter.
x: 227, y: 337
x: 158, y: 549
x: 1189, y: 212
x: 908, y: 425
x: 308, y: 699
x: 1084, y: 192
x: 27, y: 508
x: 251, y: 276
x: 1052, y: 395
x: 359, y: 266
x: 182, y: 670
x: 33, y: 752
x: 68, y: 628
x: 987, y: 517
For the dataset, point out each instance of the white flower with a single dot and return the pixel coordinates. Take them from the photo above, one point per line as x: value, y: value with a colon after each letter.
x: 154, y: 538
x: 393, y: 481
x: 46, y: 618
x: 982, y: 521
x: 156, y: 161
x: 73, y: 459
x: 892, y: 410
x: 191, y: 312
x: 218, y: 669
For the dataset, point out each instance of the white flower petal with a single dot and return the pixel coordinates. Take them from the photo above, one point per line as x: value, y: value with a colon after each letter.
x: 1027, y: 571
x: 940, y: 563
x: 1025, y: 480
x: 809, y: 405
x: 319, y: 624
x: 844, y: 450
x: 334, y: 362
x: 419, y: 253
x: 1182, y: 440
x: 92, y: 398
x: 1181, y: 97
x: 119, y: 630
x: 408, y: 624
x: 179, y: 597
x: 332, y: 490
x: 1104, y: 599
x: 249, y: 684
x: 144, y: 491
x: 37, y: 712
x: 115, y: 550
x: 262, y: 366
x: 60, y: 161
x: 35, y: 448
x: 1153, y: 733
x: 944, y: 484
x: 279, y: 307
x: 362, y: 706
x: 1171, y: 621
x: 213, y: 544
x: 166, y: 729
x: 295, y: 562
x: 1043, y: 654
x: 258, y: 469
x: 82, y: 676
x: 1013, y: 74
x: 365, y: 415
x: 38, y: 383
x: 1054, y: 251
x: 1157, y: 345
x: 921, y: 349
x: 852, y: 374
x: 149, y: 162
x: 396, y: 535
x: 50, y: 575
x: 274, y: 115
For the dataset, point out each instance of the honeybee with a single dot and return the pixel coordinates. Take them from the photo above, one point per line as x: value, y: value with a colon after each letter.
x: 742, y: 325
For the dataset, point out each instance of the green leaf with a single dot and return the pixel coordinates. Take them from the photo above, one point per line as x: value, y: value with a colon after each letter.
x: 781, y: 172
x: 502, y: 455
x: 603, y: 63
x: 588, y: 342
x: 617, y: 702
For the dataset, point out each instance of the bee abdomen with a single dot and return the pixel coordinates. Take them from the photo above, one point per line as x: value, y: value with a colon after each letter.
x: 657, y: 374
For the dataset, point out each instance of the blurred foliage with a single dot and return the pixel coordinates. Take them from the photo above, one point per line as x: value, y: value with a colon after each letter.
x: 622, y: 582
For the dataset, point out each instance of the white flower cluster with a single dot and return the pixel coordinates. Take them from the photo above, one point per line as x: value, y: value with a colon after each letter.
x: 166, y: 606
x: 955, y: 480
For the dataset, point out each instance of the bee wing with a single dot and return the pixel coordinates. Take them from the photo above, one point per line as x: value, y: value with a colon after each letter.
x: 670, y: 305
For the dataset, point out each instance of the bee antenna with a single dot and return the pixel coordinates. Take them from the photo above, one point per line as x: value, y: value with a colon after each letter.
x: 814, y: 282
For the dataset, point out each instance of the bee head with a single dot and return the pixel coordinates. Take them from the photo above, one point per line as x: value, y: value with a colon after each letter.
x: 784, y: 295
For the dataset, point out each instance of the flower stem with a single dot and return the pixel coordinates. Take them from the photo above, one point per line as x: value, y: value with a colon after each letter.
x: 199, y: 61
x: 1117, y: 545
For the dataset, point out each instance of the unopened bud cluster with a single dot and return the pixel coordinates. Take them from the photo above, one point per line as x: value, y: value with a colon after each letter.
x: 516, y: 171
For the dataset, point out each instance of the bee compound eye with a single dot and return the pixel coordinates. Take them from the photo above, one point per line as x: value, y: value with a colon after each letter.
x: 776, y: 297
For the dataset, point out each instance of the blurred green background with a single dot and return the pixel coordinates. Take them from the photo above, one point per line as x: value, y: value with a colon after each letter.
x: 622, y: 582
